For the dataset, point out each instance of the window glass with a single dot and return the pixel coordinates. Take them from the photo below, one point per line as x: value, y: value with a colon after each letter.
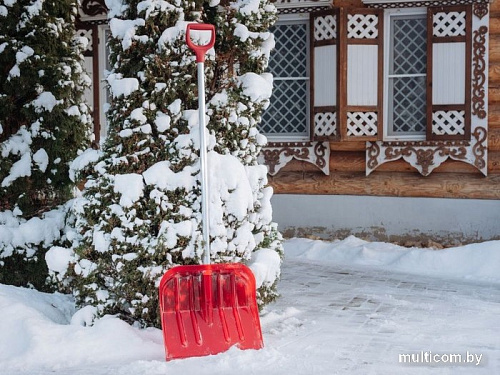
x: 287, y: 115
x: 407, y: 75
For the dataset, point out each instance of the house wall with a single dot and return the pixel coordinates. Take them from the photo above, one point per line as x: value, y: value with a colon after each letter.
x: 347, y: 201
x: 453, y: 179
x: 408, y: 221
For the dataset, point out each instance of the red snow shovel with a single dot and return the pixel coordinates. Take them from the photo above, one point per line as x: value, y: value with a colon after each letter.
x: 205, y: 309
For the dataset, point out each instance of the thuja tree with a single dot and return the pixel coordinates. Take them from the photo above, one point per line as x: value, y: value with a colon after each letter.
x: 140, y: 211
x: 43, y: 125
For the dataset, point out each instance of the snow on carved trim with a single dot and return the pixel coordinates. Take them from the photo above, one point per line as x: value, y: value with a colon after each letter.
x: 325, y: 28
x: 361, y: 124
x: 325, y: 124
x: 448, y: 122
x: 362, y: 26
x: 449, y: 24
x: 86, y: 34
x: 276, y: 155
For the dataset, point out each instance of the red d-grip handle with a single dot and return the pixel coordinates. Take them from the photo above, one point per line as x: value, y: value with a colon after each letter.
x: 200, y: 51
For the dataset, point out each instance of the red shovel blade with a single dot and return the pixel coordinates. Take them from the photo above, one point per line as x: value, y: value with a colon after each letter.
x: 206, y: 309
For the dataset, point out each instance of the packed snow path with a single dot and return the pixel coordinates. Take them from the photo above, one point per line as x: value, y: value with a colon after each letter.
x: 356, y: 320
x: 332, y: 318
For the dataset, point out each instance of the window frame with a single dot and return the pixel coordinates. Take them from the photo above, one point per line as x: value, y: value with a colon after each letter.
x: 290, y: 19
x: 388, y: 15
x: 104, y: 67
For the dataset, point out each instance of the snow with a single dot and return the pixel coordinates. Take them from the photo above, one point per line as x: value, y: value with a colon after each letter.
x: 86, y: 158
x: 17, y: 233
x: 58, y: 258
x: 465, y: 262
x: 347, y: 307
x: 265, y: 265
x: 116, y: 7
x: 122, y: 86
x: 21, y: 56
x: 125, y: 30
x: 257, y: 87
x: 161, y: 176
x: 130, y: 186
x: 20, y: 168
x: 46, y: 101
x: 41, y: 159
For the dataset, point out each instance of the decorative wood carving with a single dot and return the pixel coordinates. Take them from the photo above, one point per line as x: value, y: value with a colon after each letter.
x: 435, y: 3
x: 448, y: 122
x: 297, y: 2
x: 480, y: 148
x: 302, y: 9
x: 94, y: 8
x: 479, y: 72
x: 428, y: 155
x: 325, y: 124
x: 86, y: 33
x: 480, y: 10
x: 424, y: 156
x: 277, y: 155
x: 362, y: 123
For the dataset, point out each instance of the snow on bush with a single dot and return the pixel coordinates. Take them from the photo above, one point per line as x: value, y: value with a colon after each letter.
x: 139, y: 213
x: 44, y: 124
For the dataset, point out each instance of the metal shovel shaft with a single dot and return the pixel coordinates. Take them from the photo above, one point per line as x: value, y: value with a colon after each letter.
x: 203, y: 166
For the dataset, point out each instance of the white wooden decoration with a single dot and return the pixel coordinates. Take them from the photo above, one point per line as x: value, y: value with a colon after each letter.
x: 361, y: 124
x: 427, y: 156
x: 448, y: 122
x: 362, y: 73
x: 449, y: 24
x: 362, y: 26
x: 325, y: 28
x: 325, y: 76
x: 88, y: 93
x: 448, y: 73
x: 325, y: 124
x: 83, y: 33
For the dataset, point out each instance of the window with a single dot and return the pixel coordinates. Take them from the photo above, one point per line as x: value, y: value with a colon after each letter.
x: 410, y: 82
x: 288, y: 114
x: 403, y: 74
x: 406, y: 67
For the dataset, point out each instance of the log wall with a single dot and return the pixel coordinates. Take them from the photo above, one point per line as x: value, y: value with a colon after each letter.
x: 453, y: 179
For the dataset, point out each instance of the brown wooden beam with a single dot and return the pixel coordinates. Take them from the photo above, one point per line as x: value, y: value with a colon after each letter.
x: 494, y: 48
x: 437, y: 185
x: 494, y: 75
x: 493, y: 115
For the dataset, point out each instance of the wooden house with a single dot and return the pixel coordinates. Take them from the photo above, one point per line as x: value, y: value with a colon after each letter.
x: 384, y: 121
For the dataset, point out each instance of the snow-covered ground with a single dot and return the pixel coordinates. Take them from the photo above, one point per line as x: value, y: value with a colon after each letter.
x: 347, y: 307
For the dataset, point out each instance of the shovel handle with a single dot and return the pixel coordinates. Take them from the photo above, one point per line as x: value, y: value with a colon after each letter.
x: 200, y: 50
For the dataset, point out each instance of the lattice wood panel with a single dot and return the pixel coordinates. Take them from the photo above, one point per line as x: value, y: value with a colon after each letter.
x: 449, y: 24
x: 325, y: 124
x: 85, y: 34
x: 325, y: 27
x: 362, y: 26
x: 448, y: 122
x: 361, y: 124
